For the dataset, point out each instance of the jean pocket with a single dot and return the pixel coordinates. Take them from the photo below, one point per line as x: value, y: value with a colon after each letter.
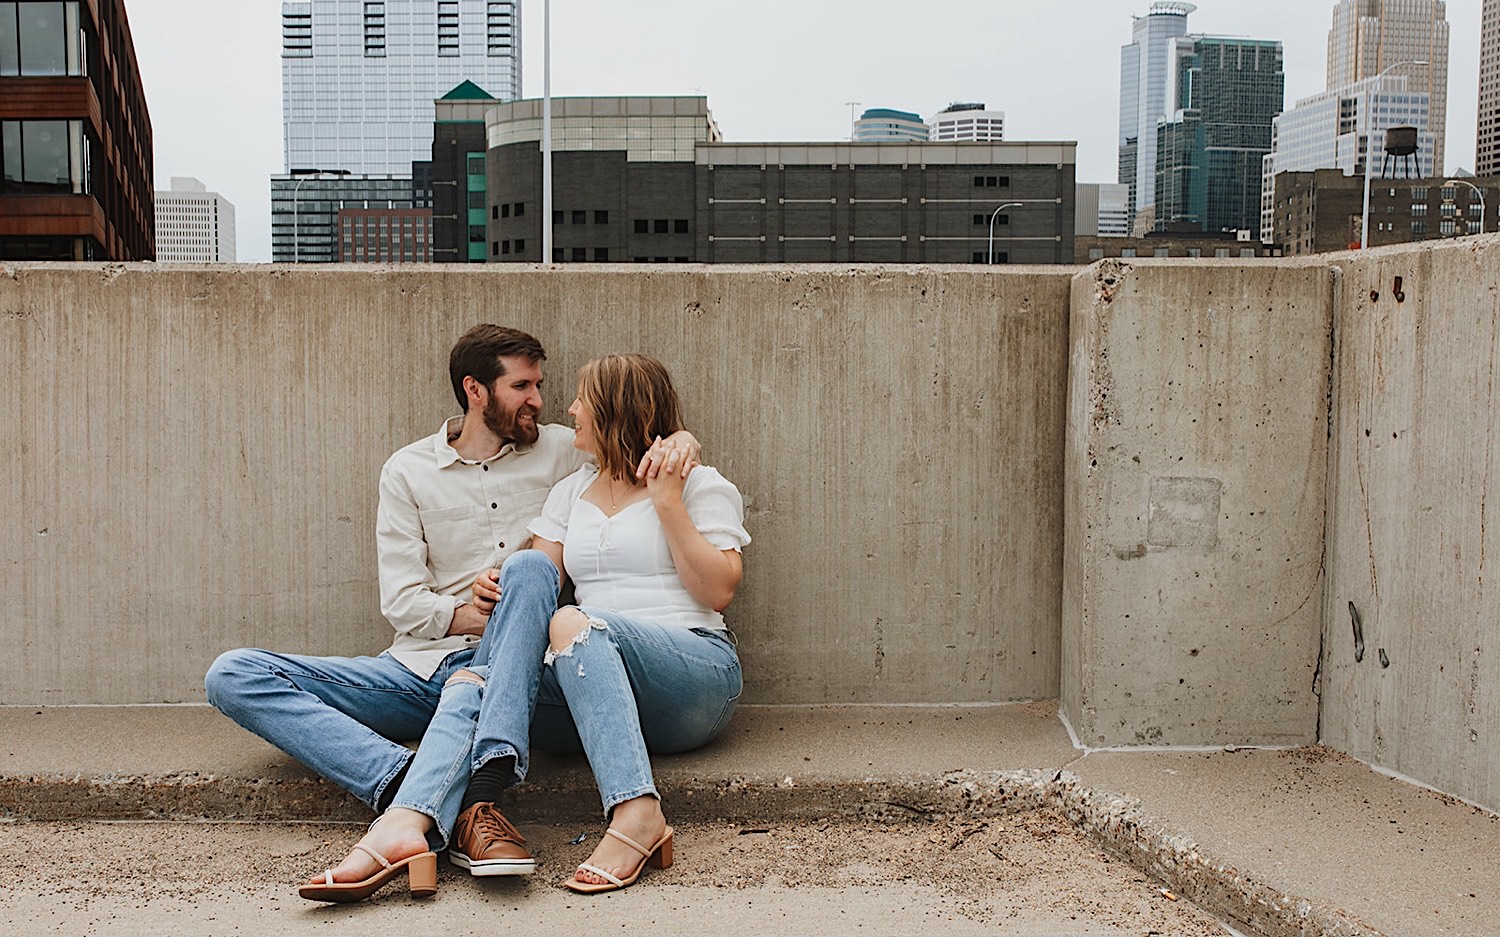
x: 728, y: 712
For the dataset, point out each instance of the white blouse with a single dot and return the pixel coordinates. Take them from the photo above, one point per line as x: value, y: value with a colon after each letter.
x: 623, y: 563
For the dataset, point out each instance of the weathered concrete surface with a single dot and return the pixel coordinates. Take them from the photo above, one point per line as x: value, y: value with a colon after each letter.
x: 1197, y: 439
x: 1414, y: 471
x: 193, y: 457
x: 1302, y: 841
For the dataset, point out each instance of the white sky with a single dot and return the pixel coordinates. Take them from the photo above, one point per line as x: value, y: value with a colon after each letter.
x: 772, y: 69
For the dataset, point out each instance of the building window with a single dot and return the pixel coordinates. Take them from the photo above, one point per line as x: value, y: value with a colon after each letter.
x: 1447, y: 228
x: 1419, y: 210
x: 1127, y: 252
x: 1195, y: 252
x: 1450, y: 192
x: 476, y: 165
x: 476, y: 233
x: 557, y: 216
x: 495, y: 248
x: 1160, y: 252
x: 374, y: 30
x: 500, y: 28
x: 520, y: 245
x: 1221, y: 252
x: 1474, y: 226
x: 680, y: 226
x: 520, y: 209
x: 1419, y: 193
x: 557, y: 255
x: 601, y: 255
x: 447, y: 27
x: 476, y: 199
x: 500, y: 211
x: 1247, y: 252
x: 44, y: 156
x: 1419, y: 228
x: 1096, y: 253
x: 41, y: 39
x: 990, y: 182
x: 1447, y: 209
x: 580, y: 253
x: 505, y: 247
x: 642, y: 226
x: 580, y: 217
x: 601, y: 217
x: 661, y: 226
x: 679, y: 260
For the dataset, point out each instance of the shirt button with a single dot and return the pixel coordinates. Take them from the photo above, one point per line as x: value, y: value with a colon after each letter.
x: 502, y: 544
x: 494, y: 505
x: 485, y: 467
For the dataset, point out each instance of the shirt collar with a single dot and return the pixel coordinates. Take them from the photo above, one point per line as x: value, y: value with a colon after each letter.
x: 447, y: 455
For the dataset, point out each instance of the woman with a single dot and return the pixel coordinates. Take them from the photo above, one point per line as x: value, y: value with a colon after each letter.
x: 642, y: 664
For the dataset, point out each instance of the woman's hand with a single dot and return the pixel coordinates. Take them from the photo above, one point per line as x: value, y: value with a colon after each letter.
x: 486, y: 591
x: 670, y: 455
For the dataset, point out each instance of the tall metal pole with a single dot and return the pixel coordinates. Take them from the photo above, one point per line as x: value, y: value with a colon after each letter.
x: 1364, y: 224
x: 546, y: 131
x: 990, y: 256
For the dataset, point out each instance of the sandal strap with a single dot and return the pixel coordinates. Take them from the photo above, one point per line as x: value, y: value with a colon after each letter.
x: 627, y: 841
x: 585, y: 867
x: 384, y: 862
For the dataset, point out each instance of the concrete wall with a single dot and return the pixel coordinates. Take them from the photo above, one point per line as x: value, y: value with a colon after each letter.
x: 1414, y: 474
x: 193, y: 456
x: 1197, y: 434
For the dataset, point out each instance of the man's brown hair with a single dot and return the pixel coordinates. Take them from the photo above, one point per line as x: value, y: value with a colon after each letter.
x: 478, y: 352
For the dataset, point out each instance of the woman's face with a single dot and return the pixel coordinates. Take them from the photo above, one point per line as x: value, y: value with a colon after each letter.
x: 583, y: 423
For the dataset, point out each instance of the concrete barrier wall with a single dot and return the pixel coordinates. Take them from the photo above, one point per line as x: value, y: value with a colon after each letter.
x: 1197, y: 441
x: 193, y: 457
x: 1414, y: 474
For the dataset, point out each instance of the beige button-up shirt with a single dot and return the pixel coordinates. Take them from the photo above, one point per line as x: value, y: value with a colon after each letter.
x: 443, y: 520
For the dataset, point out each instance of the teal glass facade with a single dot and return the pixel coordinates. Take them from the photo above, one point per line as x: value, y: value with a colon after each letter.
x: 1208, y: 167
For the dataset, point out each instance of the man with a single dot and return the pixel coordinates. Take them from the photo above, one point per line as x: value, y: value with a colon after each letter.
x: 451, y: 506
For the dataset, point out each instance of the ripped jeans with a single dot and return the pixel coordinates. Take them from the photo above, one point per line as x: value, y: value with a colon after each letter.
x: 633, y: 687
x: 622, y: 690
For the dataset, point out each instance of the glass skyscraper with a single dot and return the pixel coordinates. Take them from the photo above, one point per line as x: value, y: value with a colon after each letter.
x: 359, y: 77
x: 1144, y: 67
x: 1226, y: 92
x: 1368, y: 36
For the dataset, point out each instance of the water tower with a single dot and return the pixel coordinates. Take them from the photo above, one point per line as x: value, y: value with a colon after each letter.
x: 1401, y: 143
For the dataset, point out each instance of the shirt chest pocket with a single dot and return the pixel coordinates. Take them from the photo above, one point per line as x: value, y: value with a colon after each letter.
x: 454, y: 541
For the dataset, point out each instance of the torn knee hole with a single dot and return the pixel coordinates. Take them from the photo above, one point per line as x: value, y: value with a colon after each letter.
x: 570, y: 628
x: 464, y: 676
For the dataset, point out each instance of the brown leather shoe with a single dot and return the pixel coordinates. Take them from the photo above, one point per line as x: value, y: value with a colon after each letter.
x: 485, y: 843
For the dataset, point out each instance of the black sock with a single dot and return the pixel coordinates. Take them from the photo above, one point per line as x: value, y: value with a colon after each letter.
x: 383, y: 802
x: 490, y: 781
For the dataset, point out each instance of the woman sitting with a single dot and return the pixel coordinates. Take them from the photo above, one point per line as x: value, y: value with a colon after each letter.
x: 643, y: 663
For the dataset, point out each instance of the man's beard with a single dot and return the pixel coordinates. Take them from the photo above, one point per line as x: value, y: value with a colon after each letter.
x: 511, y: 427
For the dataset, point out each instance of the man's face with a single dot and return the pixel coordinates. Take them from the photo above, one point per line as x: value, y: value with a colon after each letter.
x: 512, y: 403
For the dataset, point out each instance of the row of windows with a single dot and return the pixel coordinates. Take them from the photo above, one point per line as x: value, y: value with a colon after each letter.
x: 41, y: 39
x: 1097, y: 253
x: 508, y: 210
x: 497, y: 248
x: 45, y: 156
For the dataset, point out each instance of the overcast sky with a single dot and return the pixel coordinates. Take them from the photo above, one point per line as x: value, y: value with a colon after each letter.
x: 773, y: 70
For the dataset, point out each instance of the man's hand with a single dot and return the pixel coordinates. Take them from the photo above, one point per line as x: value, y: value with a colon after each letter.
x: 468, y: 620
x: 677, y: 452
x: 486, y: 590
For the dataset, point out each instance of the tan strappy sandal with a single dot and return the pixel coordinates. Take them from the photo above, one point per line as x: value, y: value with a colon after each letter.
x: 658, y: 855
x: 421, y: 878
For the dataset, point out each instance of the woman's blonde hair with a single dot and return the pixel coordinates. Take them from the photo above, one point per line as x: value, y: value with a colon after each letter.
x: 632, y: 402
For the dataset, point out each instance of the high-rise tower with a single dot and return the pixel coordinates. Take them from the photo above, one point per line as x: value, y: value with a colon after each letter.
x: 1144, y: 66
x: 359, y: 77
x: 1487, y: 133
x: 1369, y: 36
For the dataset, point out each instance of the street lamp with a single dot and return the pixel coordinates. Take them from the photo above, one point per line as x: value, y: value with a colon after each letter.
x: 306, y: 174
x: 546, y: 131
x: 1364, y: 224
x: 1477, y: 191
x: 993, y: 215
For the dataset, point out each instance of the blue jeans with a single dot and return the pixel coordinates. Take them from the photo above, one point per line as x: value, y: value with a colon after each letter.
x: 624, y: 689
x: 341, y: 716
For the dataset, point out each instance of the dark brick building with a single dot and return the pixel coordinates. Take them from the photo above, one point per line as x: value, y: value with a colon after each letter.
x: 648, y: 180
x: 1322, y: 211
x: 74, y: 133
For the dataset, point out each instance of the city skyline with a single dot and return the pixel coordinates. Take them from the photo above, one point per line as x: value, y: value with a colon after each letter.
x: 1054, y: 70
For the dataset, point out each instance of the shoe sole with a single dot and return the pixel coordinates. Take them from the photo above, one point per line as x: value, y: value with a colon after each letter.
x: 486, y: 868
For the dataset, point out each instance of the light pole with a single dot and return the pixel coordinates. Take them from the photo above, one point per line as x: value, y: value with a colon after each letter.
x: 1364, y: 224
x: 306, y: 174
x: 1477, y: 191
x: 993, y: 215
x: 546, y: 131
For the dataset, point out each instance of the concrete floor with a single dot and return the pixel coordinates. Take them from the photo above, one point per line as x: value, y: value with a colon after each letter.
x: 1345, y: 849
